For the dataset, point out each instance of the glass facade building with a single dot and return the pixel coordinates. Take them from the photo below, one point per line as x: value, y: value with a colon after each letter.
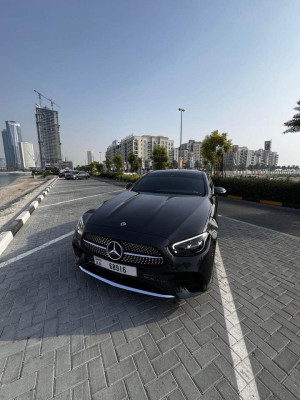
x: 48, y: 136
x: 27, y: 154
x: 11, y: 137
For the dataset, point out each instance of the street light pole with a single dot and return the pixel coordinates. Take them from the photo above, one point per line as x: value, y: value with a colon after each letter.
x: 100, y: 152
x: 181, y: 111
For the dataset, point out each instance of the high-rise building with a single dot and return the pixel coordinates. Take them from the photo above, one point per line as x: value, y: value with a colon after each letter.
x: 27, y: 155
x: 90, y: 157
x: 11, y: 137
x: 48, y: 136
x: 2, y: 163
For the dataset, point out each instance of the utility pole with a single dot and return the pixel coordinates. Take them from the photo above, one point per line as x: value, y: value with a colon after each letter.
x: 180, y: 151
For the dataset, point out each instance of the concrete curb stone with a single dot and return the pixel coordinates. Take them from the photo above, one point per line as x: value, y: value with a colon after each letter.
x: 7, y: 236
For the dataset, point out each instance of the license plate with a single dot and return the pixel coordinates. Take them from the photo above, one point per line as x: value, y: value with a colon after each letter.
x: 119, y: 268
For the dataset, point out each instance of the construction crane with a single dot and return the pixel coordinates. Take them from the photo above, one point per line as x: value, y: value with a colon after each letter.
x: 40, y: 97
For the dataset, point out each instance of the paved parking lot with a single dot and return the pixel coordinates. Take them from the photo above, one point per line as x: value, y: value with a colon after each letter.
x: 65, y: 335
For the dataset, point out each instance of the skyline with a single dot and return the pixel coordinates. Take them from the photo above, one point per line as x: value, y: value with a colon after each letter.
x: 118, y: 69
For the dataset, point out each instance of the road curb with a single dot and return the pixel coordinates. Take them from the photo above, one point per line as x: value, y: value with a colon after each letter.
x: 268, y: 202
x: 7, y: 236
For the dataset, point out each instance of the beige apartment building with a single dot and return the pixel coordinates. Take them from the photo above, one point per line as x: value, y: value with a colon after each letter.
x: 190, y: 153
x: 242, y: 156
x: 141, y: 146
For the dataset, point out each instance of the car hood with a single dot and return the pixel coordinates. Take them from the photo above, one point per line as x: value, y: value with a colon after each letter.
x: 174, y: 217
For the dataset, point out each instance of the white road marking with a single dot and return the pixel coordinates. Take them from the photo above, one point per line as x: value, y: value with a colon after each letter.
x: 245, y: 381
x: 75, y: 190
x: 28, y: 253
x: 260, y: 227
x: 80, y: 198
x: 5, y: 239
x: 70, y: 186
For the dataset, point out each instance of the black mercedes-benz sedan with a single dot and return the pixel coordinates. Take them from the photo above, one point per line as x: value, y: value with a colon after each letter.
x: 156, y: 238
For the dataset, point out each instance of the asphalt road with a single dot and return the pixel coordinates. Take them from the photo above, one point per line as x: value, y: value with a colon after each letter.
x: 65, y: 335
x: 281, y: 219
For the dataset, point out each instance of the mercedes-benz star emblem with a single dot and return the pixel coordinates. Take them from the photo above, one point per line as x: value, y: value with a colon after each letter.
x: 123, y: 223
x: 114, y: 250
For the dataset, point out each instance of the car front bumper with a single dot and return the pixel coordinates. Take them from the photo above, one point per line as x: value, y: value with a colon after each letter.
x: 180, y: 277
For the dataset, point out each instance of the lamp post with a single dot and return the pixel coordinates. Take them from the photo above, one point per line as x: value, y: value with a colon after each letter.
x: 100, y: 152
x: 180, y: 159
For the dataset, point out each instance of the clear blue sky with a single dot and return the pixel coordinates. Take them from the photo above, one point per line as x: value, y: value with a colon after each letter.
x: 122, y: 67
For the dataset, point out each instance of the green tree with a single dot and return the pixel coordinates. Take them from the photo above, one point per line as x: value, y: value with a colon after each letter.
x: 294, y: 124
x: 160, y: 157
x: 213, y: 148
x: 93, y: 166
x: 108, y: 163
x: 118, y: 161
x: 174, y: 164
x: 197, y: 164
x: 100, y: 168
x: 135, y: 163
x: 138, y: 165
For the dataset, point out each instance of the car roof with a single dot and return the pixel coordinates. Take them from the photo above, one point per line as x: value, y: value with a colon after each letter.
x: 177, y: 171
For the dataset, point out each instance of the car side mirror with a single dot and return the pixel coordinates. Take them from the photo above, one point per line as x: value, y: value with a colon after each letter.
x: 219, y: 190
x: 128, y: 185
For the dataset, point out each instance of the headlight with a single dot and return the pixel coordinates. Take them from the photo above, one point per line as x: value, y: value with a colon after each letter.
x: 82, y: 222
x: 189, y: 247
x: 80, y: 227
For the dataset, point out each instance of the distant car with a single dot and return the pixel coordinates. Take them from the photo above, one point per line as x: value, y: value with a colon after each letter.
x: 63, y: 172
x: 157, y: 238
x: 68, y: 174
x: 76, y: 175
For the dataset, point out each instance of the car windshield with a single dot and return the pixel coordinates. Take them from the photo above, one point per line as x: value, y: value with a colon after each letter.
x: 75, y: 172
x: 172, y: 183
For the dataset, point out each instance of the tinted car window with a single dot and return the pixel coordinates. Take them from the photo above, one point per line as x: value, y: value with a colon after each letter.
x: 175, y: 183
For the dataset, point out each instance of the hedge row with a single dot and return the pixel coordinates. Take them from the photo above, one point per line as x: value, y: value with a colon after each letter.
x: 248, y: 188
x: 120, y: 176
x: 261, y: 189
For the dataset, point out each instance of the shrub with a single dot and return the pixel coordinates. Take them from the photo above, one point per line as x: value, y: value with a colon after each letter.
x: 261, y: 189
x: 119, y: 176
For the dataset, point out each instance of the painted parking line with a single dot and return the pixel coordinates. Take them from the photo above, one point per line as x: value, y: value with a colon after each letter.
x: 80, y: 198
x: 75, y: 190
x: 76, y: 186
x: 245, y: 381
x: 29, y: 252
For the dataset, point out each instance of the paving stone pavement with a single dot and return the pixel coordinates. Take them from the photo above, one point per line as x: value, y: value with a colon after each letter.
x: 65, y: 335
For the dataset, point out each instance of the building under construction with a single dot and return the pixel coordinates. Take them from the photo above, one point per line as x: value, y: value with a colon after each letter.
x: 48, y: 136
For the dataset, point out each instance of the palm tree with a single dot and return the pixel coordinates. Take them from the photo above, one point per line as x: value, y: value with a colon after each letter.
x: 294, y: 124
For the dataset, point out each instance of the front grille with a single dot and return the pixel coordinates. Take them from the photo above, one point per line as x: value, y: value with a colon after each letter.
x: 103, y: 241
x: 134, y: 253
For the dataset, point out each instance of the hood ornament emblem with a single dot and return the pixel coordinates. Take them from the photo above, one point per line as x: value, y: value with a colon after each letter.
x: 123, y: 224
x: 114, y: 250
